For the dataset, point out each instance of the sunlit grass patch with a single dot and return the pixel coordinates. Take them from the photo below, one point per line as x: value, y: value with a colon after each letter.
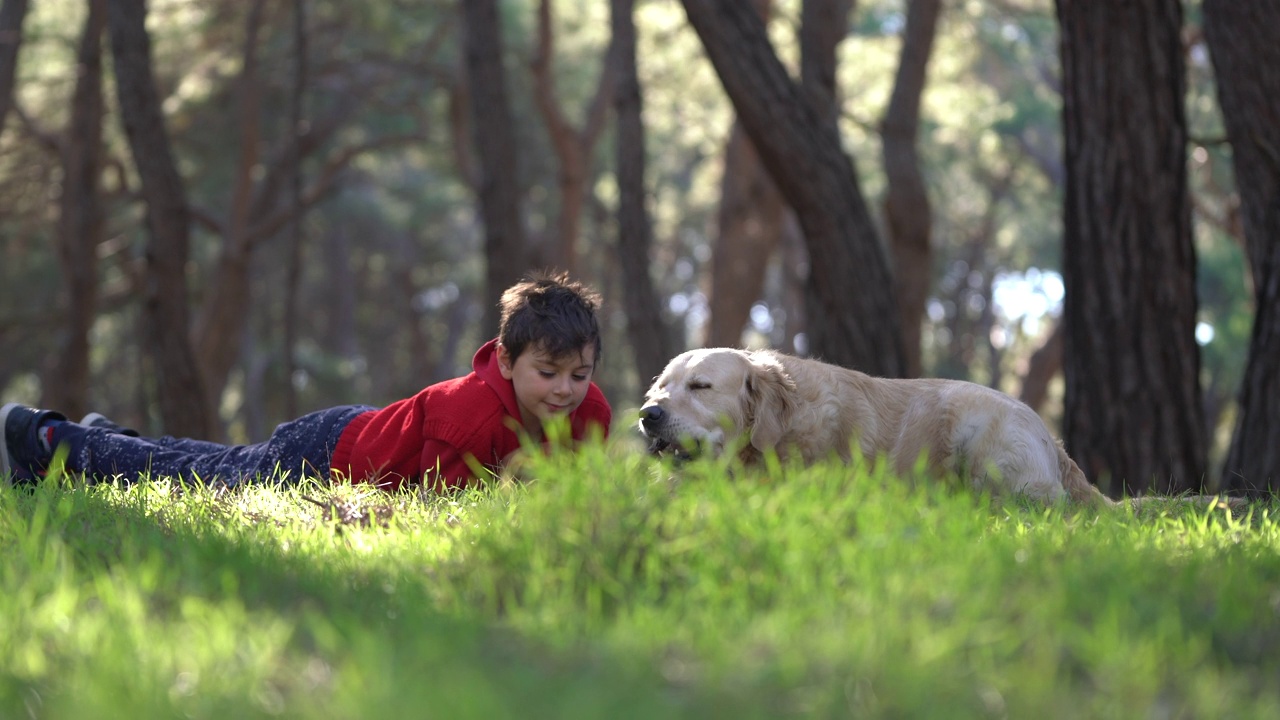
x: 609, y: 584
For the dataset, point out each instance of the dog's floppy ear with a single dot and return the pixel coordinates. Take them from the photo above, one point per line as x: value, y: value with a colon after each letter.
x: 770, y: 400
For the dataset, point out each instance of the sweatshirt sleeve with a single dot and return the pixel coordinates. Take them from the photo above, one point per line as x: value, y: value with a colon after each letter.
x: 445, y: 466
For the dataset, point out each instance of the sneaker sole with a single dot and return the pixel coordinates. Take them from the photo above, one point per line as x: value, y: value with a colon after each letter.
x: 6, y: 466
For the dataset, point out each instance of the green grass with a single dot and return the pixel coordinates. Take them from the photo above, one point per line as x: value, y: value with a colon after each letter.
x: 603, y: 589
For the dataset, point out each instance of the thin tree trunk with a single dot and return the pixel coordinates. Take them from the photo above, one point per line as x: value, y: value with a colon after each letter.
x: 296, y: 230
x: 12, y: 15
x: 1044, y: 364
x: 965, y: 330
x: 750, y: 227
x: 220, y: 325
x: 851, y: 316
x: 80, y: 222
x: 823, y: 25
x: 261, y: 209
x: 1133, y: 416
x: 750, y: 222
x: 419, y: 350
x: 1246, y: 60
x: 573, y: 145
x: 649, y: 341
x: 908, y: 216
x: 340, y: 297
x: 183, y: 404
x: 256, y: 362
x: 794, y: 269
x: 505, y: 247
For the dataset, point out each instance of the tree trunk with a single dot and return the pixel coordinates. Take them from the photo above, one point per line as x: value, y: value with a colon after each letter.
x: 850, y: 309
x: 573, y: 146
x: 12, y: 14
x: 293, y: 279
x: 183, y: 404
x: 823, y: 25
x: 965, y: 326
x: 340, y: 298
x: 794, y: 271
x: 494, y: 138
x: 750, y: 223
x: 649, y: 341
x: 80, y: 223
x: 221, y: 322
x: 750, y: 227
x: 262, y: 208
x: 1044, y: 364
x: 1133, y: 417
x: 907, y: 214
x: 1246, y: 61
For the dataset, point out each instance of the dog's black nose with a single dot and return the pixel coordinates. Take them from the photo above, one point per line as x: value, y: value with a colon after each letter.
x: 651, y: 416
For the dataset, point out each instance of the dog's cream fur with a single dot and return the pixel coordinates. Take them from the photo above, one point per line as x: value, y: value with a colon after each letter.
x: 764, y: 400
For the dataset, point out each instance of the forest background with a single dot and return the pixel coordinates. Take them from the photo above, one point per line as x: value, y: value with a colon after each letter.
x: 218, y: 215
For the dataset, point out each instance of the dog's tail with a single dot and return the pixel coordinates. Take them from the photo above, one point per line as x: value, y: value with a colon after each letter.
x: 1083, y: 492
x: 1079, y: 489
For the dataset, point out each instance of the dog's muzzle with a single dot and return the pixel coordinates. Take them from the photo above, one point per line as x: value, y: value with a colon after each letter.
x: 651, y: 417
x: 653, y: 421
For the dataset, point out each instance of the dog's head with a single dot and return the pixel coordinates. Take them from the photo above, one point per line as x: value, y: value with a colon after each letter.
x: 705, y: 399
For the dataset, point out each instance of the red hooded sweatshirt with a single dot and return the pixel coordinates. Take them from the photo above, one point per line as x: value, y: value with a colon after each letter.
x: 472, y: 416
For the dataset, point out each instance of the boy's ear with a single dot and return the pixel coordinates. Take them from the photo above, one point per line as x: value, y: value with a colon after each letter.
x: 506, y: 364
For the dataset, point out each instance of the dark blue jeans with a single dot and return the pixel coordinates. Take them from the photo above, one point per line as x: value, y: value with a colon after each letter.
x: 296, y: 449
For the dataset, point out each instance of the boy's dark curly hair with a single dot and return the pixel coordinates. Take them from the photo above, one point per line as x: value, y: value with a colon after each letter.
x: 550, y: 312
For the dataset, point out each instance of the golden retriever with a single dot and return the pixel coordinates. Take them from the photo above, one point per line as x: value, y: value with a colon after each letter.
x: 760, y: 401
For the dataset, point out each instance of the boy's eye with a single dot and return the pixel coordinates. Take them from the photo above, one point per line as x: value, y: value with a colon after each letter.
x: 580, y: 378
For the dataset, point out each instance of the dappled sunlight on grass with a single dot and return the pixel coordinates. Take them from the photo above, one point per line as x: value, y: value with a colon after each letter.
x: 610, y: 584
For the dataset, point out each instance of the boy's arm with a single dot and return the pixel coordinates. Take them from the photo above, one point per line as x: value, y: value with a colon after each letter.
x: 444, y: 466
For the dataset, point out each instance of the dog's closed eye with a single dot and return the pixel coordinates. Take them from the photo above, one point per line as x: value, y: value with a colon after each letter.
x: 699, y: 385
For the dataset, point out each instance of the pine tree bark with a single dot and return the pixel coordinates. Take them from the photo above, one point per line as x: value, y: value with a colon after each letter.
x: 749, y: 228
x: 850, y: 311
x: 505, y: 247
x: 80, y: 223
x: 574, y: 146
x: 184, y: 407
x: 265, y: 201
x: 297, y: 233
x: 1042, y: 367
x: 1133, y: 417
x: 649, y: 340
x: 12, y: 15
x: 907, y: 213
x: 1246, y: 61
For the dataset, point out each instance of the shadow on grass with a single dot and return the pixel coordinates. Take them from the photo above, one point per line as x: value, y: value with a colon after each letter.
x: 314, y: 633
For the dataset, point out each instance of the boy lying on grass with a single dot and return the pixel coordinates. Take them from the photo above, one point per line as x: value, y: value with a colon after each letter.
x: 538, y: 369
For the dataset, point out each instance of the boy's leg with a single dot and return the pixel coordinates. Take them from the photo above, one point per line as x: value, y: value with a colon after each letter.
x: 297, y: 448
x: 98, y: 420
x: 24, y: 453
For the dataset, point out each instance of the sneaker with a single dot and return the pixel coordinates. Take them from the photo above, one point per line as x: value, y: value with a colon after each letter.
x: 98, y: 420
x: 22, y: 455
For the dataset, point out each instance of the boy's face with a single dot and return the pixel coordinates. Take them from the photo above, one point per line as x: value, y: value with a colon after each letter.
x: 546, y: 388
